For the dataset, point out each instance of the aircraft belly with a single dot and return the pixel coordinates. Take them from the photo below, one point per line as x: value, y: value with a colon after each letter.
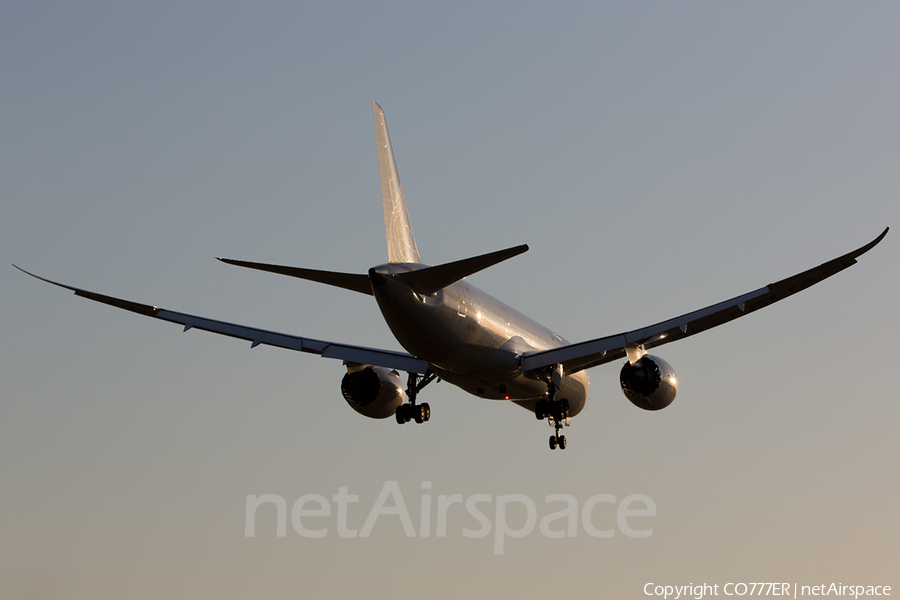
x: 494, y: 388
x: 522, y: 390
x: 470, y: 342
x: 423, y: 325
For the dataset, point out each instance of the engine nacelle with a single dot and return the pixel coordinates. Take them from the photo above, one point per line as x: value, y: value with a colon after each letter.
x: 650, y: 383
x: 374, y: 392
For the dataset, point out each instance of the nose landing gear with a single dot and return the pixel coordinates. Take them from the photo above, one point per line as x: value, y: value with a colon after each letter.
x: 557, y: 414
x: 557, y: 440
x: 558, y: 423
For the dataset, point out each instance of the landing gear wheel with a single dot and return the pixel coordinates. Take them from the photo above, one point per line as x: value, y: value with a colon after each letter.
x: 412, y: 411
x: 555, y: 411
x: 558, y: 409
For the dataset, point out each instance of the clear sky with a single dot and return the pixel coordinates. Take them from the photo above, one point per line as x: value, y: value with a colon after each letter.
x: 657, y: 157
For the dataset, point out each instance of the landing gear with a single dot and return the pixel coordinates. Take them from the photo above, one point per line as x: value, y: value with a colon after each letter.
x: 559, y: 440
x: 409, y: 412
x: 555, y: 411
x: 412, y: 411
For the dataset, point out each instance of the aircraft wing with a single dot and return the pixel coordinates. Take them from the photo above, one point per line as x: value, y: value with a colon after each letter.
x: 576, y: 357
x: 345, y: 352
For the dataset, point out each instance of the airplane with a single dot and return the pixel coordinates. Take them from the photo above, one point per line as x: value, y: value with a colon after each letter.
x: 454, y: 332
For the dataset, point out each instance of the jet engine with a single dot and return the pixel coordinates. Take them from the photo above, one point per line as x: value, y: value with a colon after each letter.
x: 650, y: 383
x: 374, y: 392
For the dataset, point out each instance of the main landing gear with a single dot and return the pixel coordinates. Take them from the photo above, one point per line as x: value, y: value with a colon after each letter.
x: 412, y: 411
x: 557, y: 414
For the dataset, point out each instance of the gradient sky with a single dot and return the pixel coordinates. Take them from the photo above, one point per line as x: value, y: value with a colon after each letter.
x: 657, y: 158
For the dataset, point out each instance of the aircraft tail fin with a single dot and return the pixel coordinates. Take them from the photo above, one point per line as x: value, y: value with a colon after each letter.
x: 400, y: 241
x: 429, y: 280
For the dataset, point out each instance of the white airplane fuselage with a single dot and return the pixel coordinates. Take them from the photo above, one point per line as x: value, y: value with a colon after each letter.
x: 471, y: 339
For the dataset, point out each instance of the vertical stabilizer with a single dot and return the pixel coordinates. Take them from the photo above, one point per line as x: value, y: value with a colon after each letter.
x: 400, y: 241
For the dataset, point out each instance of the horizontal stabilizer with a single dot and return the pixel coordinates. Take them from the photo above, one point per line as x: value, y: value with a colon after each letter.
x: 429, y: 280
x: 348, y: 281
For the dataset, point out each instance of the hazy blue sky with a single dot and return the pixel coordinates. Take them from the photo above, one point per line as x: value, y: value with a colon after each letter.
x: 657, y: 157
